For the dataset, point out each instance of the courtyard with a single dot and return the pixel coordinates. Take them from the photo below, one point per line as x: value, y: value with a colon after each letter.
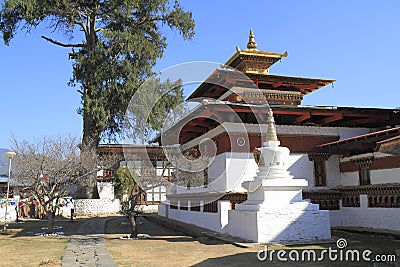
x: 169, y: 244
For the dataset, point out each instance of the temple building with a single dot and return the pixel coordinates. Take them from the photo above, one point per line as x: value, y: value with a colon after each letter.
x: 349, y: 156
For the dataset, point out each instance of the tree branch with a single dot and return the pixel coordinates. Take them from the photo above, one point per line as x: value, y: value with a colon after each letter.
x: 61, y: 44
x: 82, y: 24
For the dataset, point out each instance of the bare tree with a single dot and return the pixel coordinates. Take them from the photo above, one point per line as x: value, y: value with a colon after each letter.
x: 52, y: 167
x: 191, y: 167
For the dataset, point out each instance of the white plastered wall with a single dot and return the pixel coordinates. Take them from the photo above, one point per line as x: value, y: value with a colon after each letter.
x: 240, y: 167
x: 301, y: 167
x: 217, y: 174
x: 385, y: 176
x: 349, y: 178
x: 382, y: 176
x: 214, y: 221
x: 106, y: 190
x: 380, y: 218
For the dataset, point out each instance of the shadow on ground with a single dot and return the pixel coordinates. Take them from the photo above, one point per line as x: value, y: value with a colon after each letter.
x: 35, y: 227
x: 148, y: 231
x: 250, y: 259
x: 166, y: 245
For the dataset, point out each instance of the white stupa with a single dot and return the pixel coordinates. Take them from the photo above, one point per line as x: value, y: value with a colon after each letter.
x: 274, y: 210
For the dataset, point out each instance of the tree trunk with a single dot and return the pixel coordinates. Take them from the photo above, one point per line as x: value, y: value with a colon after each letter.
x: 50, y: 221
x: 88, y: 190
x: 90, y: 141
x: 132, y: 220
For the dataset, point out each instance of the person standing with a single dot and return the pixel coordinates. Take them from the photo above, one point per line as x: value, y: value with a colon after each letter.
x: 72, y: 209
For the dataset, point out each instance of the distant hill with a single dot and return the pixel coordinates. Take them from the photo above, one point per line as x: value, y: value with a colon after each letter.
x: 3, y: 161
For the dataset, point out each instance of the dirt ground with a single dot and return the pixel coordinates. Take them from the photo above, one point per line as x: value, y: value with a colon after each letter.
x: 164, y: 247
x: 161, y: 246
x: 24, y: 246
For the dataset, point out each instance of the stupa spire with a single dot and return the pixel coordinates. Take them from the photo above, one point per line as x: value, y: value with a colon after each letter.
x: 252, y: 43
x: 271, y: 130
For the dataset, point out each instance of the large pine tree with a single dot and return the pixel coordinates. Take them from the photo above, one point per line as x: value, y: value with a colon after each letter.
x: 119, y: 43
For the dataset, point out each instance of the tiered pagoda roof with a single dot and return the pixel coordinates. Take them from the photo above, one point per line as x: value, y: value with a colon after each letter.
x: 255, y: 64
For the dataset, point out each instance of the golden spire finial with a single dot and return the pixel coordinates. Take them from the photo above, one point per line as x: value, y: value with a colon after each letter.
x: 252, y: 43
x: 271, y: 131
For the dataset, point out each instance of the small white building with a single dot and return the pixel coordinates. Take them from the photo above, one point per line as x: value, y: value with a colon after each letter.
x: 147, y: 165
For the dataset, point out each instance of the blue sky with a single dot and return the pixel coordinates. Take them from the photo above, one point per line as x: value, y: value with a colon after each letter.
x: 355, y: 42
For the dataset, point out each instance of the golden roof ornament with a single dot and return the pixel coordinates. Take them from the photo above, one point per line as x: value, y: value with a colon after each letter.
x: 271, y: 131
x: 252, y: 43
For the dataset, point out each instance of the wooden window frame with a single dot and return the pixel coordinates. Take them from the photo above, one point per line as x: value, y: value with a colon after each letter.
x: 319, y: 164
x: 319, y: 173
x: 364, y: 176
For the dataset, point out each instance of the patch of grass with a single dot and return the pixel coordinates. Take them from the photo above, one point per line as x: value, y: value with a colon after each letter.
x: 21, y: 247
x: 31, y: 250
x: 164, y: 247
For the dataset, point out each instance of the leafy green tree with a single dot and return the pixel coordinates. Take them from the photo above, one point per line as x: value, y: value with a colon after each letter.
x: 118, y: 43
x: 126, y: 184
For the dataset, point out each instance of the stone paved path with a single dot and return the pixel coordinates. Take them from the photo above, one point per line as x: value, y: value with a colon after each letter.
x: 88, y: 248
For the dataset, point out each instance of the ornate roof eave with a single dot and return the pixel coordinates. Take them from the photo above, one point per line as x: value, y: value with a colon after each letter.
x: 255, y: 53
x: 304, y: 84
x: 292, y: 115
x: 391, y: 145
x: 362, y: 144
x: 292, y: 79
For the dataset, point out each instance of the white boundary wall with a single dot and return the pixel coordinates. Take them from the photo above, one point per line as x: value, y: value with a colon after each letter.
x: 214, y: 221
x: 380, y: 218
x: 335, y: 216
x: 96, y: 206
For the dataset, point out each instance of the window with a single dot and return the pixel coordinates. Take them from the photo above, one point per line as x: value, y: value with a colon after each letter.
x: 364, y: 175
x: 319, y: 173
x: 183, y: 205
x: 195, y: 205
x: 319, y: 160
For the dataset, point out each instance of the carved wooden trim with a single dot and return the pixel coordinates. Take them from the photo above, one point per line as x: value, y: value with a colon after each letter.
x: 326, y: 199
x: 363, y: 163
x: 322, y: 156
x: 379, y: 196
